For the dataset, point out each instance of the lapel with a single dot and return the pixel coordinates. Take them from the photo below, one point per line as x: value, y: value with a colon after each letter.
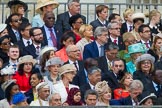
x: 95, y: 48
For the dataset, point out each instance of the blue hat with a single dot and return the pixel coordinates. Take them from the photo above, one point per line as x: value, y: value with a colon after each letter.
x: 136, y: 48
x: 18, y: 97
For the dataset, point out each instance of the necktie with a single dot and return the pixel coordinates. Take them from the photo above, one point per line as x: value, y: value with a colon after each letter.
x: 147, y: 45
x: 158, y: 89
x: 14, y: 66
x: 75, y: 66
x: 28, y: 43
x: 17, y: 36
x: 37, y: 50
x: 102, y: 50
x: 115, y: 41
x: 53, y: 37
x: 130, y: 28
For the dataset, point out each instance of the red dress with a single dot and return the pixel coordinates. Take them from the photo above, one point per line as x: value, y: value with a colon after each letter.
x: 77, y: 37
x: 22, y: 81
x: 120, y: 93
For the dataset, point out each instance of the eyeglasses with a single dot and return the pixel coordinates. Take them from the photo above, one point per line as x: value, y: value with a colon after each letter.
x: 6, y: 43
x: 147, y: 31
x: 79, y: 22
x: 145, y: 62
x: 53, y: 18
x: 118, y: 65
x: 40, y: 34
x: 17, y: 20
x: 75, y: 51
x: 116, y: 28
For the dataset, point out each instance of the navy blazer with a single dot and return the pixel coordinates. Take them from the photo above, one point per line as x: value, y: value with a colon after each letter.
x: 122, y: 101
x: 29, y: 95
x: 90, y: 50
x: 80, y: 78
x: 97, y: 23
x: 123, y: 29
x: 12, y: 35
x: 21, y: 47
x: 62, y: 22
x: 58, y: 36
x: 83, y: 89
x: 120, y: 43
x: 30, y: 50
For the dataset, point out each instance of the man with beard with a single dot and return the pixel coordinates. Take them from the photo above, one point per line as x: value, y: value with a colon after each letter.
x: 50, y: 33
x: 37, y: 38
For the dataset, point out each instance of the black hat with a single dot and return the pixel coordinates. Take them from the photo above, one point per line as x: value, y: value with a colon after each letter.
x: 144, y: 96
x: 16, y: 2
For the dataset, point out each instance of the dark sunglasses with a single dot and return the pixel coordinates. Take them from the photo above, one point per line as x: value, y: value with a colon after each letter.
x: 18, y: 20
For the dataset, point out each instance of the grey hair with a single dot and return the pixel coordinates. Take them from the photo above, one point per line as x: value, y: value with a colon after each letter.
x: 90, y: 92
x: 70, y: 2
x: 111, y: 46
x: 68, y: 49
x: 99, y: 30
x: 136, y: 84
x: 51, y: 96
x: 109, y: 26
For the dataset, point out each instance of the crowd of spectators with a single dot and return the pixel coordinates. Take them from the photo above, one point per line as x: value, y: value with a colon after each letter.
x: 66, y: 62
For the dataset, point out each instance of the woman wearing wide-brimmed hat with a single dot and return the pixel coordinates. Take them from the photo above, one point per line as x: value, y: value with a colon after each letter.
x: 25, y: 65
x: 41, y: 8
x: 67, y: 73
x: 145, y: 67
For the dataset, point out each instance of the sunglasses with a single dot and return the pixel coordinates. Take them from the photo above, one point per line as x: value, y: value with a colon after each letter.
x: 17, y: 20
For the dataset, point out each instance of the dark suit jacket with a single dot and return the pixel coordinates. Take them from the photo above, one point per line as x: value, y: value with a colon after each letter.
x: 102, y: 64
x: 90, y: 50
x: 80, y: 78
x: 58, y: 36
x: 83, y: 89
x: 111, y: 79
x: 150, y: 43
x: 62, y: 22
x: 120, y: 43
x: 21, y: 47
x: 122, y: 101
x: 123, y: 29
x: 30, y: 50
x: 29, y: 95
x: 97, y: 23
x: 12, y: 35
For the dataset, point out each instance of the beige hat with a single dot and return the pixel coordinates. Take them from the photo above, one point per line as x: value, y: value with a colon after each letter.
x: 101, y: 87
x: 6, y: 84
x: 7, y: 70
x: 42, y: 85
x: 42, y: 3
x: 67, y: 68
x: 46, y: 48
x: 138, y: 15
x: 26, y: 58
x: 2, y: 27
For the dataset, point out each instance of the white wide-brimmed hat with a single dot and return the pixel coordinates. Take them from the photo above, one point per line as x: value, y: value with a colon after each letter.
x: 67, y: 68
x: 138, y: 15
x: 27, y: 58
x: 45, y: 49
x: 7, y: 70
x: 6, y: 84
x: 145, y: 57
x: 2, y: 27
x: 42, y: 3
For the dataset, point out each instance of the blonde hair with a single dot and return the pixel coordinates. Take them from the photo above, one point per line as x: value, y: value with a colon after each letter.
x: 126, y: 35
x: 83, y: 28
x: 153, y: 13
x: 127, y: 12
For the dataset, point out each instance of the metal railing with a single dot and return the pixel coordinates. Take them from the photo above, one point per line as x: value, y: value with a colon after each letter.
x: 87, y: 9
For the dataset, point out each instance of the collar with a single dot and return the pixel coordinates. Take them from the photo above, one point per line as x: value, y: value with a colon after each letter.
x: 98, y: 45
x: 12, y: 63
x: 69, y: 14
x: 15, y: 30
x: 71, y: 62
x: 151, y: 26
x: 128, y: 25
x: 102, y: 22
x: 145, y: 42
x: 25, y: 40
x: 37, y: 45
x: 92, y: 86
x: 114, y: 39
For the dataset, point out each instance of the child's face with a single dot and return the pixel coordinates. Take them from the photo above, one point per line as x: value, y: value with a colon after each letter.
x: 129, y: 17
x: 148, y: 102
x: 77, y: 97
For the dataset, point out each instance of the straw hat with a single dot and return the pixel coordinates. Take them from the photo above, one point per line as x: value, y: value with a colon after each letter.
x: 7, y: 70
x: 138, y: 15
x: 2, y: 27
x: 45, y: 49
x: 145, y: 57
x: 42, y: 3
x: 26, y: 58
x: 16, y: 2
x: 67, y: 68
x: 6, y: 84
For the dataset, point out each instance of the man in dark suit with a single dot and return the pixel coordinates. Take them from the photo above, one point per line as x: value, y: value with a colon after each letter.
x: 114, y: 35
x: 26, y: 38
x: 145, y: 34
x: 62, y: 23
x: 94, y: 76
x: 117, y: 72
x: 37, y: 38
x: 50, y: 33
x: 14, y: 23
x: 105, y: 62
x: 102, y: 13
x: 96, y: 48
x: 73, y: 54
x: 135, y: 89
